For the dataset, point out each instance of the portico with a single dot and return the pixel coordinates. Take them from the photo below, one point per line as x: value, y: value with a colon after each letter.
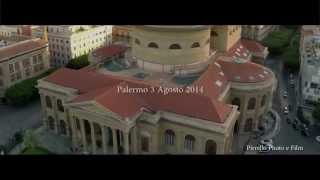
x: 94, y: 134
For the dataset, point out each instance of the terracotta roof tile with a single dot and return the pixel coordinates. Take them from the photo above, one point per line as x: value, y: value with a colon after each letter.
x: 109, y: 51
x: 253, y: 46
x: 103, y: 90
x: 21, y: 47
x: 246, y: 72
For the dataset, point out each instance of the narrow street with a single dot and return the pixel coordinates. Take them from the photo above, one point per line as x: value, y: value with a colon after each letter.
x: 288, y: 136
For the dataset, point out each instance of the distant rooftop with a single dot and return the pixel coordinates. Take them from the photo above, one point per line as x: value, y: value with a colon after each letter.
x: 20, y: 48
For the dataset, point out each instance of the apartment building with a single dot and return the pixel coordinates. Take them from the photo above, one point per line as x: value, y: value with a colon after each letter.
x: 22, y: 60
x: 67, y: 42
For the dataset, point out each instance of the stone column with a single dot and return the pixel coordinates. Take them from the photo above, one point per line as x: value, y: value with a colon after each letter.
x: 257, y: 111
x: 126, y: 142
x: 83, y: 136
x: 93, y: 139
x: 74, y: 132
x: 44, y: 107
x: 180, y: 143
x: 202, y: 145
x: 56, y: 117
x: 114, y: 140
x: 134, y: 141
x: 104, y: 145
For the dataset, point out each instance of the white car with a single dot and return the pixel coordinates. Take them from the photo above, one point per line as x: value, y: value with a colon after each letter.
x: 318, y: 139
x: 285, y: 94
x: 286, y: 110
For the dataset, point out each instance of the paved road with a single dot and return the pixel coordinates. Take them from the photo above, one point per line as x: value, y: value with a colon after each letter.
x: 288, y: 137
x: 15, y: 119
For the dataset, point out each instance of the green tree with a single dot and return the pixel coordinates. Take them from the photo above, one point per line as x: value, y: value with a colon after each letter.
x: 30, y: 141
x: 278, y: 41
x: 79, y: 62
x: 291, y: 58
x: 24, y: 91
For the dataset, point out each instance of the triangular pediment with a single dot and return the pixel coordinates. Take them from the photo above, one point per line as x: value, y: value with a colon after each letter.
x: 94, y: 108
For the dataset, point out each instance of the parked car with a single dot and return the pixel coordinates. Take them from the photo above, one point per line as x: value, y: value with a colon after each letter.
x: 291, y: 76
x: 295, y: 124
x: 286, y: 110
x: 291, y: 83
x: 305, y: 132
x: 289, y: 121
x: 318, y: 139
x: 285, y: 94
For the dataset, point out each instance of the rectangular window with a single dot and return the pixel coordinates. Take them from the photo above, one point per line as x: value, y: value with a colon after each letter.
x: 313, y: 85
x: 27, y: 72
x: 26, y: 63
x: 39, y: 58
x: 17, y: 66
x: 306, y: 84
x: 34, y: 59
x: 11, y: 68
x: 1, y: 82
x: 145, y: 144
x: 0, y: 71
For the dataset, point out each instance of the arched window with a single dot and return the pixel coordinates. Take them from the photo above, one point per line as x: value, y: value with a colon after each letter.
x: 174, y: 46
x: 248, y: 125
x: 195, y: 45
x: 263, y: 101
x: 137, y: 41
x: 48, y: 102
x: 252, y: 103
x: 236, y: 101
x: 60, y: 106
x: 211, y: 147
x: 153, y: 45
x: 169, y: 137
x: 189, y: 142
x: 63, y: 127
x: 51, y: 123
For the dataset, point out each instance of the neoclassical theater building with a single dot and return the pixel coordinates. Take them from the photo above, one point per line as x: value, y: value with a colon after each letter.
x: 177, y: 90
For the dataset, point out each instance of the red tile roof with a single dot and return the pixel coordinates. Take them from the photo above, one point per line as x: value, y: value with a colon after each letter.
x: 103, y: 90
x: 109, y: 51
x: 238, y: 50
x: 213, y: 80
x: 244, y: 47
x: 243, y: 72
x: 21, y: 47
x: 253, y: 46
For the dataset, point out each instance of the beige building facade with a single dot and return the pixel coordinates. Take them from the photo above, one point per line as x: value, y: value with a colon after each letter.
x: 100, y: 120
x: 22, y: 60
x: 68, y: 42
